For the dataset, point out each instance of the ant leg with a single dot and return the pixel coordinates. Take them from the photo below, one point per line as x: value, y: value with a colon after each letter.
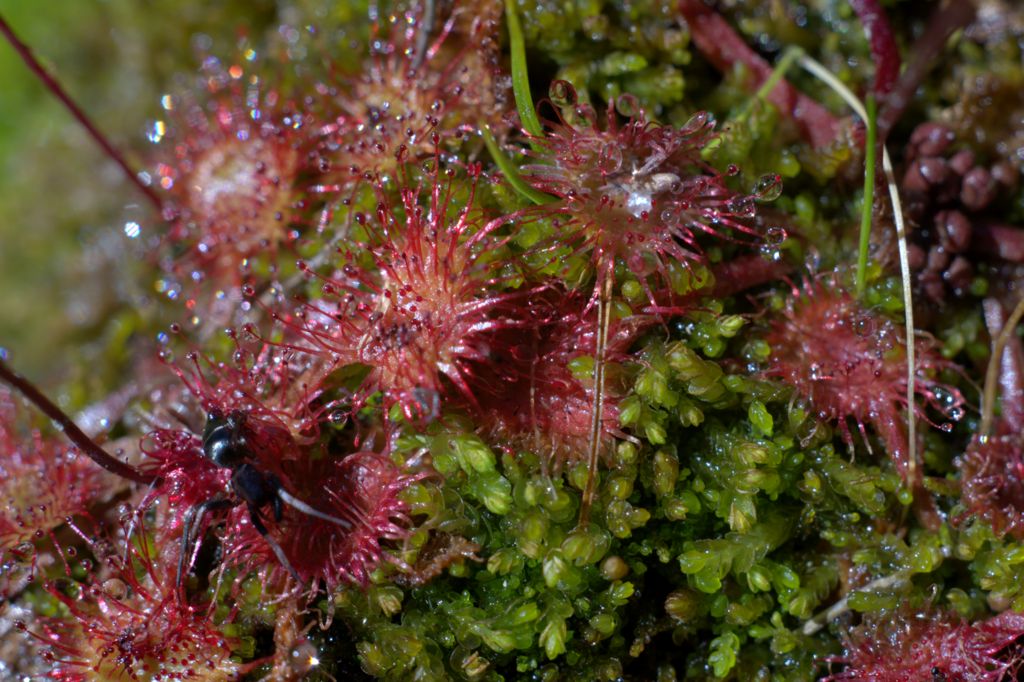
x: 281, y: 495
x: 186, y: 542
x: 275, y: 484
x: 193, y: 522
x: 257, y: 523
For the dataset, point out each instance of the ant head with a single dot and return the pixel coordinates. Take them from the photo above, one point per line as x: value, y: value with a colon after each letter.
x: 224, y: 439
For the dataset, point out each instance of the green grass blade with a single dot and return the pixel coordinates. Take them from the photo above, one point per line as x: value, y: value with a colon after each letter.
x: 512, y: 173
x: 520, y: 78
x: 869, y: 196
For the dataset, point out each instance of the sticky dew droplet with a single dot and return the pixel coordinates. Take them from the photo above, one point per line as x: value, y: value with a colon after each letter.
x: 562, y: 94
x: 768, y: 187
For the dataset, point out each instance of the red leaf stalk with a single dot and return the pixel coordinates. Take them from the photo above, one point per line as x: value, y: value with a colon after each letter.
x: 882, y: 42
x: 55, y: 88
x: 86, y: 444
x: 724, y: 48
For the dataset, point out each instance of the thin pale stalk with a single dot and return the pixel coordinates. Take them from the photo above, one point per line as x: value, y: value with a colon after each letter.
x: 789, y: 56
x: 818, y: 70
x: 604, y: 312
x: 819, y: 621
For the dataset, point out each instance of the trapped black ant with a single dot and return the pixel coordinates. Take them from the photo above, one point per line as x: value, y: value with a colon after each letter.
x: 224, y: 443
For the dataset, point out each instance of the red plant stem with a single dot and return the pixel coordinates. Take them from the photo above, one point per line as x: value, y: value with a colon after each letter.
x: 55, y: 88
x: 746, y: 272
x: 723, y: 47
x: 75, y: 434
x: 897, y: 443
x: 882, y: 43
x: 945, y: 20
x: 1011, y: 367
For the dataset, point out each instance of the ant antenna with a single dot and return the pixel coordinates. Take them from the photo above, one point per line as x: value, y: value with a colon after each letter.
x: 296, y: 503
x: 58, y: 91
x: 279, y: 553
x: 70, y: 429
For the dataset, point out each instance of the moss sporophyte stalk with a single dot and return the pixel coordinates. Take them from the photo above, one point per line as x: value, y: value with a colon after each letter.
x: 516, y: 341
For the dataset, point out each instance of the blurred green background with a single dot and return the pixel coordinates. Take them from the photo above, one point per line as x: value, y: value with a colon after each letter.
x: 71, y: 286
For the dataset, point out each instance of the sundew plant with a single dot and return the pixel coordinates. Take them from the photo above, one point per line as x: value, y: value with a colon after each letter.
x: 500, y: 340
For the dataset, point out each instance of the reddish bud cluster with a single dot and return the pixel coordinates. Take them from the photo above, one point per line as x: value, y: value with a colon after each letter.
x: 130, y: 622
x: 638, y: 191
x: 849, y: 362
x: 904, y: 647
